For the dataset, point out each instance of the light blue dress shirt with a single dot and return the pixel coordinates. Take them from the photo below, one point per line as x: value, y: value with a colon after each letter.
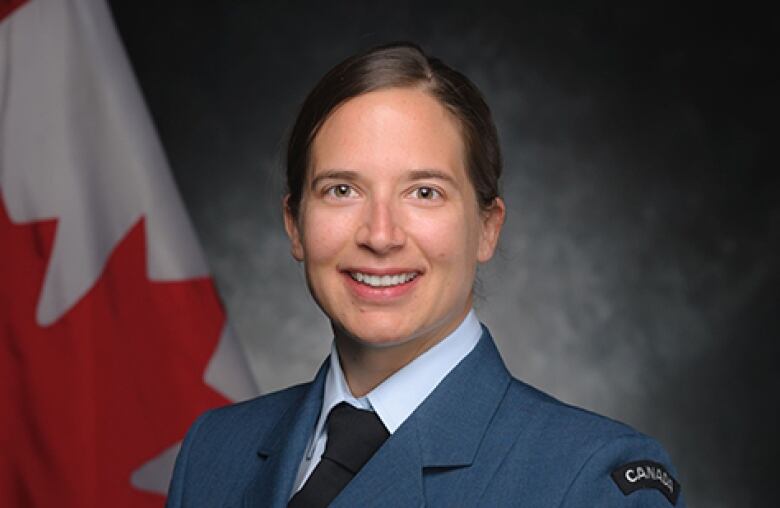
x: 397, y: 396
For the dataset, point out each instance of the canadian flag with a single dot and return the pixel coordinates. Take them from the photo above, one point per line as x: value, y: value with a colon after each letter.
x: 112, y: 337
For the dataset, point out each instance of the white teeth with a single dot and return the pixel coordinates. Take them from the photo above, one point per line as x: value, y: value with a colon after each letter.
x: 383, y: 281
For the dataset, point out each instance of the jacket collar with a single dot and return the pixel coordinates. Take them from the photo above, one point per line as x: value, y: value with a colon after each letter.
x: 281, y: 449
x: 446, y: 430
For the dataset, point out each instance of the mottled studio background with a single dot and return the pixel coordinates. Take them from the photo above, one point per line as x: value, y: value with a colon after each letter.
x: 639, y: 269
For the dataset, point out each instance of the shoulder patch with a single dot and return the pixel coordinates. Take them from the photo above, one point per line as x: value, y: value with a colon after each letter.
x: 645, y: 474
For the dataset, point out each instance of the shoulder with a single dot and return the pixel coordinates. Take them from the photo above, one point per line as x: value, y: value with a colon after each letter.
x: 240, y: 428
x: 569, y: 426
x: 219, y: 453
x: 587, y: 459
x: 259, y: 414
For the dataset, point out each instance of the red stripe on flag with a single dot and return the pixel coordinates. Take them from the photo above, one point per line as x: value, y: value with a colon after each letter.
x: 7, y: 6
x: 115, y: 381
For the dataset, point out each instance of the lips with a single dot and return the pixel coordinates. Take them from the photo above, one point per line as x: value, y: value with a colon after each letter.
x: 381, y: 286
x: 382, y: 281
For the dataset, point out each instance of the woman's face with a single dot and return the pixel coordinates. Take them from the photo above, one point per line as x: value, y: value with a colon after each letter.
x: 389, y: 231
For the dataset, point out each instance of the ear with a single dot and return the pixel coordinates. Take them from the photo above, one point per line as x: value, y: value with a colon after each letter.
x: 492, y: 221
x: 293, y: 232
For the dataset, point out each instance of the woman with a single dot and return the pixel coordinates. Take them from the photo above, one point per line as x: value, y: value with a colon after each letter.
x: 393, y: 200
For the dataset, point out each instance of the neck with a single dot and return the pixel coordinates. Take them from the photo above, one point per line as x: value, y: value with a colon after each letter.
x: 367, y: 365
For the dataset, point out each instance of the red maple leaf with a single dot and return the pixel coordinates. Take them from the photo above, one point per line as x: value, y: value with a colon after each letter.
x: 108, y: 386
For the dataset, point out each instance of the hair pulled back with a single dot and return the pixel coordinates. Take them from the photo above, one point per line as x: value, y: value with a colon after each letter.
x: 399, y: 65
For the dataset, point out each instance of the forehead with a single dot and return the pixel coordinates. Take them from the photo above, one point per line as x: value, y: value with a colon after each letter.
x: 397, y: 128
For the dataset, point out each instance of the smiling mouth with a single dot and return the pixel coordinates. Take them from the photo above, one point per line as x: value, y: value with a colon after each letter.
x: 383, y: 281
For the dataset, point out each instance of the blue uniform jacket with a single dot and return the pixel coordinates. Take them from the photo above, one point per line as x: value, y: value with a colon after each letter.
x: 481, y: 438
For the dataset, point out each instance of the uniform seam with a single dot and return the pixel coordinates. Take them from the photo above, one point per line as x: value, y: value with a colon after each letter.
x: 484, y: 436
x: 531, y: 411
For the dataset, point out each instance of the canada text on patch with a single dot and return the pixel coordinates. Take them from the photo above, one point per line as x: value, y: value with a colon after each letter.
x: 645, y: 474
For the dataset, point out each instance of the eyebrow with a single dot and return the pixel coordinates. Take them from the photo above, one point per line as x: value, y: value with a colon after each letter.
x: 425, y: 174
x: 334, y: 174
x: 350, y: 175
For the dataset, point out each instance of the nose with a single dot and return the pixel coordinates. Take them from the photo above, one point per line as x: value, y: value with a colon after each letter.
x: 381, y: 231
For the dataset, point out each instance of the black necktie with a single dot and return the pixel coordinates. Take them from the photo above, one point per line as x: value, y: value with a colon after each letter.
x: 353, y: 437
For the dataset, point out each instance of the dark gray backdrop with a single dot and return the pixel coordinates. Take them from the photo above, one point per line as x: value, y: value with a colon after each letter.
x: 638, y: 273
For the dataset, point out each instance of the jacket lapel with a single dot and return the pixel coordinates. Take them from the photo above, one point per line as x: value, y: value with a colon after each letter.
x: 445, y: 432
x: 453, y: 421
x: 282, y: 449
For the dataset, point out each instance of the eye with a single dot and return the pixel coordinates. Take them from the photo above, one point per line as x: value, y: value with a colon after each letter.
x: 426, y: 193
x: 340, y: 191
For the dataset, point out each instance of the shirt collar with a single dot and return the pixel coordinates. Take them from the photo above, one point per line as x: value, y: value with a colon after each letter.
x: 400, y: 394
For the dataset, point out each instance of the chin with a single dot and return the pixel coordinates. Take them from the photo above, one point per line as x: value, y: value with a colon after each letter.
x: 376, y: 338
x: 381, y: 335
x: 381, y: 342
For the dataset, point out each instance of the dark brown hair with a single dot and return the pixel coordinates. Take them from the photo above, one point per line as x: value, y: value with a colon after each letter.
x: 399, y: 65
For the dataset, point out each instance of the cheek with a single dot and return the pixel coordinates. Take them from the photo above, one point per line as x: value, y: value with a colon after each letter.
x: 445, y: 239
x: 324, y: 235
